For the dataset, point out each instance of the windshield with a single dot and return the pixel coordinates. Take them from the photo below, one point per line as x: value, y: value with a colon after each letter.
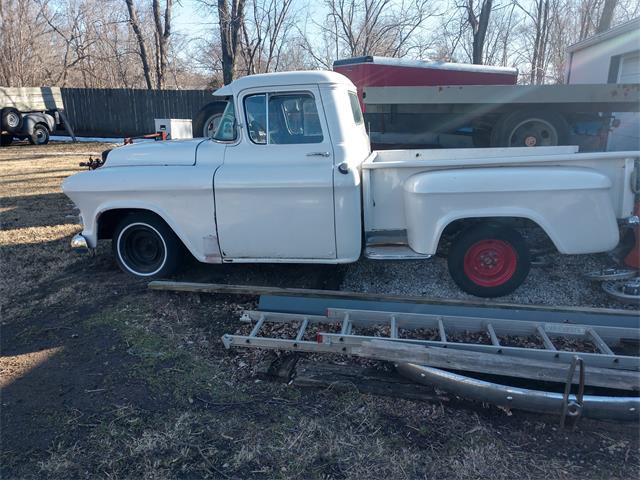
x: 226, y: 131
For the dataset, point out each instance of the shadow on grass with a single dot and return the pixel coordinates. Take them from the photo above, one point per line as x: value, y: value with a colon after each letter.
x: 43, y: 210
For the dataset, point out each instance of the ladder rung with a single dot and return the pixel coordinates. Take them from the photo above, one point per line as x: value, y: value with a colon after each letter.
x: 303, y: 327
x: 443, y: 335
x: 394, y: 327
x: 492, y: 334
x: 258, y: 326
x: 600, y: 344
x: 346, y: 325
x: 548, y: 344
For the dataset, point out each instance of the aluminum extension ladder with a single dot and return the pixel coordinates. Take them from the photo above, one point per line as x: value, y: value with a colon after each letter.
x: 343, y: 331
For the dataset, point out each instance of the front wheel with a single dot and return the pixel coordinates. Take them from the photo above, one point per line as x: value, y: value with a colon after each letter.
x: 144, y: 246
x: 489, y: 261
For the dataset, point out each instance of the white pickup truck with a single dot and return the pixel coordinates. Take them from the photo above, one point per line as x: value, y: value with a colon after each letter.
x: 289, y: 176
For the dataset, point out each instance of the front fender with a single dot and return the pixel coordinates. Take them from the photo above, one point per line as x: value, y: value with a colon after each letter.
x: 572, y: 205
x: 181, y: 196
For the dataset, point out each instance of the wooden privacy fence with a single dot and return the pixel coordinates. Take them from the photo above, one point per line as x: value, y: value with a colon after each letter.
x: 98, y: 112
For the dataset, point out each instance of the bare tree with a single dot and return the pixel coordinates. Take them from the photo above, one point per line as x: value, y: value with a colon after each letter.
x: 265, y: 30
x: 541, y: 23
x: 24, y: 49
x: 479, y: 23
x: 606, y: 16
x: 144, y: 57
x: 162, y: 34
x: 371, y: 27
x: 230, y: 19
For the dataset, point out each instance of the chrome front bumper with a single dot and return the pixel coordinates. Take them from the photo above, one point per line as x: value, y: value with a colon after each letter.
x: 79, y: 244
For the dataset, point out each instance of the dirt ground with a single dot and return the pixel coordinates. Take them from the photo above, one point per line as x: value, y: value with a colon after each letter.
x: 102, y: 378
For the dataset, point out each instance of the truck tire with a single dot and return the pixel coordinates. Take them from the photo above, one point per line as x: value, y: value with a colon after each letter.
x: 39, y: 135
x: 489, y: 260
x: 145, y: 247
x: 530, y: 128
x: 207, y: 119
x: 11, y: 120
x: 5, y: 140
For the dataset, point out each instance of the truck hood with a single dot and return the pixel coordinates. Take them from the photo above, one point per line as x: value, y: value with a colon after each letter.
x: 169, y: 152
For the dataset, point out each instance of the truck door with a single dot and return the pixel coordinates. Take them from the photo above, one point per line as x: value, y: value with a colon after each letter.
x: 274, y: 192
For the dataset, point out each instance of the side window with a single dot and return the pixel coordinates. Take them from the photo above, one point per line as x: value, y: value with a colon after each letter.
x: 293, y: 118
x: 282, y: 119
x: 226, y: 131
x: 355, y: 108
x: 255, y: 109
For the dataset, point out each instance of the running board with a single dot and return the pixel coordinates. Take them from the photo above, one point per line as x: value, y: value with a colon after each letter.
x: 390, y: 245
x: 393, y: 252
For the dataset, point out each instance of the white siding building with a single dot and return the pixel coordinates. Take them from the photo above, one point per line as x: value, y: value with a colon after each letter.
x: 611, y: 57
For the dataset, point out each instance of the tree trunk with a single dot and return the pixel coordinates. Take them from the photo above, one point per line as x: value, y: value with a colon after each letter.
x: 162, y: 34
x: 479, y: 26
x: 135, y: 24
x: 230, y: 29
x: 606, y: 16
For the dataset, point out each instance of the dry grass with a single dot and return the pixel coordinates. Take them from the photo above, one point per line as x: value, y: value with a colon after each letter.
x: 141, y: 387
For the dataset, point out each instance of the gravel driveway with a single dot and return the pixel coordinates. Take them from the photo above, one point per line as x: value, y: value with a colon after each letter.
x: 558, y: 283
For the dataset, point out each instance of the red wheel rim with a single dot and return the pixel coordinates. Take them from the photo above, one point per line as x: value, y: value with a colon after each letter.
x: 490, y: 263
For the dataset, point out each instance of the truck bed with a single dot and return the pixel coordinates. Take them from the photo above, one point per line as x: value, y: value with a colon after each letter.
x: 385, y: 172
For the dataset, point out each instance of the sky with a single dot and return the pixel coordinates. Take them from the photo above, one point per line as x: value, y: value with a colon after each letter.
x: 192, y: 19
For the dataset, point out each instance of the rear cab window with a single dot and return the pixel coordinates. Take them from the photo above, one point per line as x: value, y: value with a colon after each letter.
x: 355, y: 108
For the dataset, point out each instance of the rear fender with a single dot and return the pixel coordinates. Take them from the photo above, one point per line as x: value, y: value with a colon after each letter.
x: 30, y: 120
x: 572, y: 205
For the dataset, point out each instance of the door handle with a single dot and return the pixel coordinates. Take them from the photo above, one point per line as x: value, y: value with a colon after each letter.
x: 318, y: 154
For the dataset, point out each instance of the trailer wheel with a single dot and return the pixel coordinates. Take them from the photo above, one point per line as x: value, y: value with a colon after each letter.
x: 11, y: 119
x: 489, y: 260
x: 144, y: 246
x: 208, y: 119
x: 530, y: 128
x: 5, y: 140
x: 40, y: 135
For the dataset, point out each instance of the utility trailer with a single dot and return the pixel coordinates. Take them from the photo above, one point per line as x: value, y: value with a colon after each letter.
x: 32, y: 114
x: 412, y: 104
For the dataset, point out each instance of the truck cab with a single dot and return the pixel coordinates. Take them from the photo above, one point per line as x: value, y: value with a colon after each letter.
x: 289, y: 186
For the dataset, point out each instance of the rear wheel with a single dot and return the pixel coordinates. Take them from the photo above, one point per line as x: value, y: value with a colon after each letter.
x: 530, y: 128
x: 489, y: 260
x: 10, y: 119
x: 144, y: 246
x: 40, y: 135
